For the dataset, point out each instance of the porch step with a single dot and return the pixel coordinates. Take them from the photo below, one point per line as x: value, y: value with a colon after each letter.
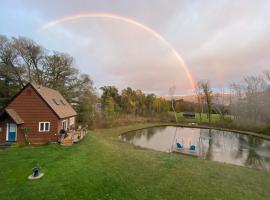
x: 67, y: 142
x: 5, y: 145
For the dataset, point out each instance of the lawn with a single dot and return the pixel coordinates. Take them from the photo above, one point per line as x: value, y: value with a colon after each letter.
x: 102, y: 167
x: 214, y: 117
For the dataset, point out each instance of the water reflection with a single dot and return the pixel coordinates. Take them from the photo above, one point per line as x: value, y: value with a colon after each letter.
x: 212, y: 144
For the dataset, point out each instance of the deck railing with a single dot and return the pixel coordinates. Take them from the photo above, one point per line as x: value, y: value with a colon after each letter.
x: 73, y: 136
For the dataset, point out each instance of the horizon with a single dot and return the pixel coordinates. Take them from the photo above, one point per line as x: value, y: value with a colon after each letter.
x: 213, y: 43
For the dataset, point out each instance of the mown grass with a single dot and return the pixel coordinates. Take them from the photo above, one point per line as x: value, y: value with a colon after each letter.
x: 102, y: 167
x: 227, y: 122
x: 203, y: 119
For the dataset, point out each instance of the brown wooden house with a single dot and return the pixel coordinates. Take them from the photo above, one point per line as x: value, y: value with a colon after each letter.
x: 40, y: 110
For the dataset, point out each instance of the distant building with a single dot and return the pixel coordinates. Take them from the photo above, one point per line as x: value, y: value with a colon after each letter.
x: 98, y: 107
x: 189, y: 114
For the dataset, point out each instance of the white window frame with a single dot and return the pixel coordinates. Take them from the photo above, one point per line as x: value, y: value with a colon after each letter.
x: 66, y: 123
x: 39, y: 126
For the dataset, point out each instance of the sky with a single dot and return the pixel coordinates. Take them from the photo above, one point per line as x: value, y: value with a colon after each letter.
x: 220, y: 41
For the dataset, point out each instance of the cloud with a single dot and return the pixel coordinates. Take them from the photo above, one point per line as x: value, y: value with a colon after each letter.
x: 219, y: 40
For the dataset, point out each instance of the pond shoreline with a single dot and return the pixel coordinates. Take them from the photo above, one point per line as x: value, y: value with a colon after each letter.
x: 259, y: 135
x: 209, y: 144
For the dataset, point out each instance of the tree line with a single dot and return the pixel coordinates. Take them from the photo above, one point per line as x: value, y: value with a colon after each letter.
x: 248, y: 106
x: 130, y: 102
x: 251, y: 98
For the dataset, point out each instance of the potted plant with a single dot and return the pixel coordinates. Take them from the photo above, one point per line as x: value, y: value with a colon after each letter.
x: 63, y: 133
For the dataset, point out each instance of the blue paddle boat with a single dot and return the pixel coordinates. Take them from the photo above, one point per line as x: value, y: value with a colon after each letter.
x: 192, y: 148
x: 179, y: 146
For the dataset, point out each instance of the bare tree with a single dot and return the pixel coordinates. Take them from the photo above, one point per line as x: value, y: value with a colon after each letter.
x: 171, y: 92
x: 267, y: 75
x: 199, y: 97
x: 32, y: 55
x: 205, y: 85
x: 251, y: 102
x: 219, y: 103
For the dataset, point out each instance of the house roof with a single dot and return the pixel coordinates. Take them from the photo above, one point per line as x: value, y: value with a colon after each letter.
x: 56, y: 101
x: 14, y: 115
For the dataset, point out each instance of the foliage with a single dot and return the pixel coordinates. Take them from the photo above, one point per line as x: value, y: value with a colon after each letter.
x: 129, y: 102
x: 22, y: 61
x: 109, y: 111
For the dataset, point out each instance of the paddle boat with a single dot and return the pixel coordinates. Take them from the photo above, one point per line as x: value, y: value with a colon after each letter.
x: 191, y: 151
x: 179, y: 146
x: 192, y: 148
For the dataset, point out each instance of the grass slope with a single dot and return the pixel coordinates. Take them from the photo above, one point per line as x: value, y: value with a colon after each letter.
x: 214, y: 117
x: 102, y: 167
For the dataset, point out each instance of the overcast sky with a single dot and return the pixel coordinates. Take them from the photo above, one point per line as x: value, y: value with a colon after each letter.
x: 221, y: 41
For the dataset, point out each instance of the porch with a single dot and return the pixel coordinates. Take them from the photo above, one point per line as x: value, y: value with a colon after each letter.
x: 73, y: 136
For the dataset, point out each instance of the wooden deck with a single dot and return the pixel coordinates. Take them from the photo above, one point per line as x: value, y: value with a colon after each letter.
x: 73, y: 136
x: 186, y: 152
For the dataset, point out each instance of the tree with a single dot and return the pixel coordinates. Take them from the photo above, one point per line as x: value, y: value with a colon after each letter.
x: 22, y: 61
x: 171, y: 92
x: 149, y: 101
x: 199, y: 97
x: 87, y: 100
x: 205, y: 85
x: 252, y: 97
x: 140, y: 106
x: 219, y: 104
x: 110, y: 91
x: 128, y: 100
x: 109, y: 111
x: 31, y: 54
x: 59, y: 74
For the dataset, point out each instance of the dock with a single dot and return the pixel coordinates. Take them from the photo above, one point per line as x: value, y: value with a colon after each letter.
x: 186, y: 152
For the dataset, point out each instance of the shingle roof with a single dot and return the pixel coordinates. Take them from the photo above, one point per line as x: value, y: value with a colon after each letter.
x: 15, y: 116
x: 56, y: 101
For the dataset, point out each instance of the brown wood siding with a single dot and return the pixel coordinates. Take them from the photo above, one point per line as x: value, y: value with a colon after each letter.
x: 32, y: 109
x: 3, y: 132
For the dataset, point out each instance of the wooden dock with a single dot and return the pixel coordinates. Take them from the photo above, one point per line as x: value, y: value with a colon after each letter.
x: 186, y: 152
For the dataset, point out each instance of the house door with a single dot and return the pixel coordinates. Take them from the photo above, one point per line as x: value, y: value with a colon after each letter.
x: 11, y: 132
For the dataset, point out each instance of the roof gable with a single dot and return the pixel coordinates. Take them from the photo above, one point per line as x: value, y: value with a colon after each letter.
x: 55, y: 101
x: 14, y: 115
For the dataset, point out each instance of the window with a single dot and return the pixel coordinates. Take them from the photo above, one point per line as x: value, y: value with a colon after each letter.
x: 44, y: 126
x: 63, y: 103
x: 57, y: 103
x: 64, y: 124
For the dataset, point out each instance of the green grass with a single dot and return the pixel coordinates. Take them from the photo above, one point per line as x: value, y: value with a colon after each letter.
x: 214, y: 117
x: 102, y: 167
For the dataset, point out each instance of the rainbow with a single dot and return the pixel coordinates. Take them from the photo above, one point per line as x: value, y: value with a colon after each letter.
x: 130, y: 21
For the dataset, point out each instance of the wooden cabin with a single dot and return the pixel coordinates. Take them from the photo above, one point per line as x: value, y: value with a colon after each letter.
x: 38, y: 112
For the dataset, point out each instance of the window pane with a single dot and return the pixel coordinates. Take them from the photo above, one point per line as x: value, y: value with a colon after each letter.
x: 47, y: 126
x: 42, y: 126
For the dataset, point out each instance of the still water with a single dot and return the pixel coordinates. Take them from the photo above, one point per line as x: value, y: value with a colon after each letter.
x: 221, y: 146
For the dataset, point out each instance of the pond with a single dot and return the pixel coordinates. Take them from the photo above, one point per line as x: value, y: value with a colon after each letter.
x: 210, y: 144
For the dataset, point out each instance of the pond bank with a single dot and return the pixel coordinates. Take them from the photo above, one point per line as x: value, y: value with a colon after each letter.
x: 263, y: 136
